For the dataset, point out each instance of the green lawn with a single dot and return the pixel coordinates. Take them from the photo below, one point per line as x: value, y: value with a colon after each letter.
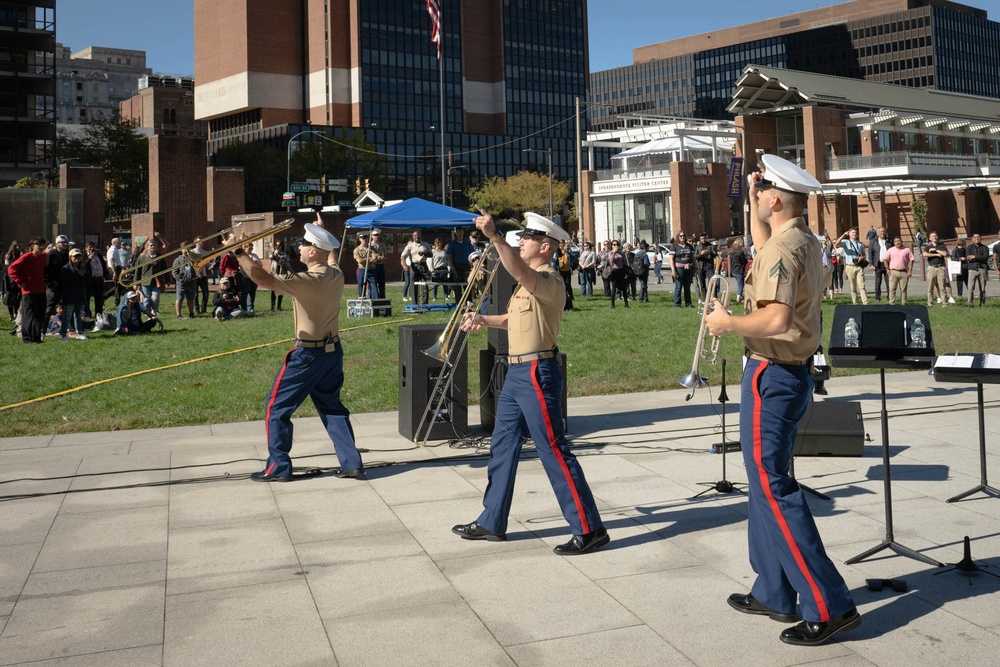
x: 644, y: 348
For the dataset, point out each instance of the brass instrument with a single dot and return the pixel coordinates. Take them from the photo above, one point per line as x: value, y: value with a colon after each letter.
x: 199, y: 260
x: 693, y: 380
x: 451, y: 344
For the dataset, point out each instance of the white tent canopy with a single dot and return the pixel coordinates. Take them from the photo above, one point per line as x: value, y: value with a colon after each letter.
x: 677, y: 144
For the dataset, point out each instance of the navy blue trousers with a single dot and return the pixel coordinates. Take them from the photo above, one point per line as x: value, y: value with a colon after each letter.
x: 786, y: 550
x: 320, y: 376
x: 530, y: 402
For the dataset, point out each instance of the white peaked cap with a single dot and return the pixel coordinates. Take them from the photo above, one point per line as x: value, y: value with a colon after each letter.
x: 320, y: 237
x: 537, y: 224
x: 784, y: 175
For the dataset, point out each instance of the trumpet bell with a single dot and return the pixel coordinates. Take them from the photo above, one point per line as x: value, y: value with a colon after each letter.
x: 693, y: 380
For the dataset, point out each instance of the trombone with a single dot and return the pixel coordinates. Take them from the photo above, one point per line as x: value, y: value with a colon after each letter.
x: 693, y: 380
x: 451, y: 344
x: 135, y: 274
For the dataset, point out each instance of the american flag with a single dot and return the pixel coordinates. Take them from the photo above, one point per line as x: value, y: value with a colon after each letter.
x: 434, y: 9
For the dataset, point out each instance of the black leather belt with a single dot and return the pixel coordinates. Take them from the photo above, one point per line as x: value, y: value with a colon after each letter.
x: 532, y: 356
x: 309, y: 344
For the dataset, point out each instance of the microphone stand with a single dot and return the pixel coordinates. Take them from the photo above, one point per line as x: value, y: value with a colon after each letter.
x: 723, y: 485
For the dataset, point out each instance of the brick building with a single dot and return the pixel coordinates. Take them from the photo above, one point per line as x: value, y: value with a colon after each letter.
x: 267, y: 72
x: 915, y: 43
x: 875, y: 148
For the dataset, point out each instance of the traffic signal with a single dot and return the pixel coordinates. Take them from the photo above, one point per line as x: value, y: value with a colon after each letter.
x: 322, y: 183
x: 357, y: 186
x: 366, y: 184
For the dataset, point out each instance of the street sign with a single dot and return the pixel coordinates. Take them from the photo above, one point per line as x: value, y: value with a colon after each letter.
x: 300, y: 187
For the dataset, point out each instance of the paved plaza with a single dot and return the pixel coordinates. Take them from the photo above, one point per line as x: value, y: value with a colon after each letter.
x: 149, y: 570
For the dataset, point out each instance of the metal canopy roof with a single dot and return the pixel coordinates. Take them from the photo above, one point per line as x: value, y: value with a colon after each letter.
x: 760, y: 89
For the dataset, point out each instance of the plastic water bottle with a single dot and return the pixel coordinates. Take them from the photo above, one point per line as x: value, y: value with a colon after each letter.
x: 851, y: 333
x: 918, y: 334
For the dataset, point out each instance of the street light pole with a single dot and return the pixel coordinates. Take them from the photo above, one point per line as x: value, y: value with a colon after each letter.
x: 288, y: 157
x: 548, y: 151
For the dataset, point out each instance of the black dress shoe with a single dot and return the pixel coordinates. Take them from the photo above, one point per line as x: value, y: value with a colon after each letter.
x: 264, y: 477
x: 357, y: 473
x: 808, y: 633
x: 473, y: 531
x: 581, y: 544
x: 820, y: 388
x: 748, y: 604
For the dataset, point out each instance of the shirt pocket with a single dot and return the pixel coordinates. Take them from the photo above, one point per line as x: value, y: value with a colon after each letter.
x: 519, y: 315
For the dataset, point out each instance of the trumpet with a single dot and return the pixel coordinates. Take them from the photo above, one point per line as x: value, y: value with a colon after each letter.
x: 693, y: 380
x: 134, y: 275
x: 450, y: 345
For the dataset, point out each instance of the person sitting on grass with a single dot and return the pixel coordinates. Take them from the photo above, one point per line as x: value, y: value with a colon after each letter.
x: 130, y: 315
x: 227, y: 301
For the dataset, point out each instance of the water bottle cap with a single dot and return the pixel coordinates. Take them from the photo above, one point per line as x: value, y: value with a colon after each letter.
x: 917, y: 321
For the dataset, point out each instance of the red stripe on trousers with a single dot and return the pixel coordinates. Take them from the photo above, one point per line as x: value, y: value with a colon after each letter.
x: 273, y: 397
x: 824, y: 613
x: 555, y: 449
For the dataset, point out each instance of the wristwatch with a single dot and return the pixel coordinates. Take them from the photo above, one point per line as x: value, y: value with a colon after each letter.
x: 496, y: 236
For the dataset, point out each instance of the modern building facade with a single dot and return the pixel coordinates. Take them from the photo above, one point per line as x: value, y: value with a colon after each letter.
x: 27, y: 88
x: 932, y: 44
x: 512, y: 73
x: 94, y: 81
x: 876, y: 148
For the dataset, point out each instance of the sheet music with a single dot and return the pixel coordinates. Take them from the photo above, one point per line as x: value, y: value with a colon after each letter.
x: 992, y: 361
x: 954, y: 361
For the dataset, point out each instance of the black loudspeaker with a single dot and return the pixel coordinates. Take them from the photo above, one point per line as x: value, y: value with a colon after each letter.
x: 418, y: 374
x: 501, y: 289
x: 831, y: 428
x: 491, y: 378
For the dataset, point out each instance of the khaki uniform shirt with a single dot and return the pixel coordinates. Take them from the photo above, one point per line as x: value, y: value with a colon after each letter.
x: 317, y: 294
x: 788, y: 269
x: 378, y: 252
x: 533, y: 319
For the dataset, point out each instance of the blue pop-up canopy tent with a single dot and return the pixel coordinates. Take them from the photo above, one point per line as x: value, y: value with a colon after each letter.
x: 411, y: 214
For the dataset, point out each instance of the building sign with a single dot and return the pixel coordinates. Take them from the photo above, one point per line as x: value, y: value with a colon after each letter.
x: 625, y: 186
x: 735, y: 189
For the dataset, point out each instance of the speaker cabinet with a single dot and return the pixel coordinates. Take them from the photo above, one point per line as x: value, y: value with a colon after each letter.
x: 831, y: 428
x: 491, y: 379
x: 501, y: 289
x: 418, y: 374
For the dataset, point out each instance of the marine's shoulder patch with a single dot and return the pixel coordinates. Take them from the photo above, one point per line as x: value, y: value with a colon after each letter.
x: 778, y: 272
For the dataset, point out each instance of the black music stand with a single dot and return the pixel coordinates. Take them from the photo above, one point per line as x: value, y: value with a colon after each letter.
x: 723, y: 485
x: 885, y: 343
x: 979, y: 374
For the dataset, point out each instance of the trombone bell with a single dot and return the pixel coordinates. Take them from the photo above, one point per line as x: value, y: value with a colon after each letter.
x: 434, y: 351
x: 693, y: 381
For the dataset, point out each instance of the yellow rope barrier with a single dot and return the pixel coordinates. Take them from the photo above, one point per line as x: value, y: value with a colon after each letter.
x: 182, y: 363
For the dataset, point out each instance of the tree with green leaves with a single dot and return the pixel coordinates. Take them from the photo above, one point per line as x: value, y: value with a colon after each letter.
x: 114, y: 145
x: 510, y: 197
x: 263, y: 173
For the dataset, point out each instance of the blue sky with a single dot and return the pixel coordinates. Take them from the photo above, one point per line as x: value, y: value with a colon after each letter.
x: 164, y: 29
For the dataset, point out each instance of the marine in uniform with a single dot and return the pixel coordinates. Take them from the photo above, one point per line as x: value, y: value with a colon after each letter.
x: 315, y: 366
x: 531, y: 399
x: 377, y: 253
x: 784, y: 291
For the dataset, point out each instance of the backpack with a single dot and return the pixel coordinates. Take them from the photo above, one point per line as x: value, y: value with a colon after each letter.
x: 564, y: 262
x: 639, y: 264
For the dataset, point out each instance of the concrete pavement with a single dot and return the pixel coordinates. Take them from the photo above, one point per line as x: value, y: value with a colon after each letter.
x: 152, y: 548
